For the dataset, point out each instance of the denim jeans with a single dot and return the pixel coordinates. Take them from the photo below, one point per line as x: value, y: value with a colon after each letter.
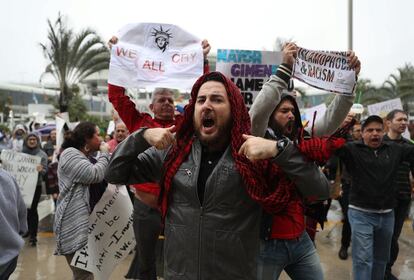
x: 400, y: 213
x: 298, y: 257
x: 371, y: 242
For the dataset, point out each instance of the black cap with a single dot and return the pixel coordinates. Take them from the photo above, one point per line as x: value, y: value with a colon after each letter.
x: 371, y: 119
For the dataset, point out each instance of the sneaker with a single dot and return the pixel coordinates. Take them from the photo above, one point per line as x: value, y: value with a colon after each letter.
x: 343, y: 253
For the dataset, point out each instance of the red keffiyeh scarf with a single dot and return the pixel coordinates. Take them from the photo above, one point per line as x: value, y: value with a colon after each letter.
x: 253, y: 174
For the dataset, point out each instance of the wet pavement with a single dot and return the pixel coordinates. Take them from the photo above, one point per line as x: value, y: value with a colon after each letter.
x: 39, y: 262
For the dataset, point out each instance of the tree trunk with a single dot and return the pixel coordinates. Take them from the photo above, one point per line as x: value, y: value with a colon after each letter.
x: 64, y: 98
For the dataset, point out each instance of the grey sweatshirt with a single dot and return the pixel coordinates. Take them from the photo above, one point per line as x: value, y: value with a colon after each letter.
x: 270, y: 95
x: 13, y: 220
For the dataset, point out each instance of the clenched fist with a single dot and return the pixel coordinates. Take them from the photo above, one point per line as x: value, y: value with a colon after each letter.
x: 160, y: 138
x: 257, y: 148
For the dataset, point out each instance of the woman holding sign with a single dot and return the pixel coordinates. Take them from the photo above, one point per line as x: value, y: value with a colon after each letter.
x: 31, y: 146
x: 76, y: 174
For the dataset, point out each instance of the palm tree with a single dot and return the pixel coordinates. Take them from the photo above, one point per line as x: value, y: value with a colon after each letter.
x: 72, y: 57
x: 402, y: 85
x: 367, y: 94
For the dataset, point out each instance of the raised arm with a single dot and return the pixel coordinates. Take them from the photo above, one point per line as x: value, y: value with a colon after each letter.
x: 73, y: 162
x: 339, y: 107
x: 125, y: 107
x: 334, y: 116
x: 265, y: 103
x: 206, y: 49
x: 270, y: 95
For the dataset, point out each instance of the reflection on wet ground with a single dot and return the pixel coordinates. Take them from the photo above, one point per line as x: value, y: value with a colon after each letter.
x: 39, y: 262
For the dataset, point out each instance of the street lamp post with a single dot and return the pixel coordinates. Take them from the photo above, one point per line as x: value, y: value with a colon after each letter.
x: 350, y: 27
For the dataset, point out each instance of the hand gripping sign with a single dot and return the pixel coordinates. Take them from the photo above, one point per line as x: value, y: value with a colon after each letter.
x: 325, y: 70
x: 155, y: 55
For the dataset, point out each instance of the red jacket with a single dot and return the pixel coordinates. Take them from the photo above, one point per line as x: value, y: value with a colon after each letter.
x: 289, y: 224
x: 134, y: 120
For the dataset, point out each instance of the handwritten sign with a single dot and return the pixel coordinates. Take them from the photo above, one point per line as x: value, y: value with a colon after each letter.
x: 249, y: 70
x: 155, y: 55
x: 23, y: 168
x: 325, y: 70
x: 383, y: 108
x: 110, y: 234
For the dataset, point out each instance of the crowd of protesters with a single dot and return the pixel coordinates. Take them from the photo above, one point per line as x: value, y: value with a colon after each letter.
x: 236, y: 193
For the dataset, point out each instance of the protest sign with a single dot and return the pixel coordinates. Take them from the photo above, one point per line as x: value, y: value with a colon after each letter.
x: 309, y: 112
x: 155, y: 55
x: 110, y: 234
x: 383, y: 108
x: 249, y: 70
x: 111, y: 127
x: 24, y: 168
x: 325, y: 70
x: 60, y: 133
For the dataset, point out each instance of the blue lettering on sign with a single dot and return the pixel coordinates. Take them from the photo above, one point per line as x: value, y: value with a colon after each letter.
x: 239, y: 56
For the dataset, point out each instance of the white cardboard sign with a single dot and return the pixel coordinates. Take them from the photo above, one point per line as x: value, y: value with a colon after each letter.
x: 111, y: 236
x: 325, y: 70
x: 24, y: 168
x: 155, y: 55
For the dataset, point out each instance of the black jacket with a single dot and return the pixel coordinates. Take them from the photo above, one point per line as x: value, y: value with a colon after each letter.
x: 402, y: 181
x: 373, y: 172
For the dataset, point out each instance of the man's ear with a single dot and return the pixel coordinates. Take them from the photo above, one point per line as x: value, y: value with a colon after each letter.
x: 387, y: 124
x: 151, y: 106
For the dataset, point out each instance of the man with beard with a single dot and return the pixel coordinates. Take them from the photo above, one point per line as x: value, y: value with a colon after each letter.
x: 397, y: 121
x: 285, y: 245
x: 147, y: 219
x: 211, y: 194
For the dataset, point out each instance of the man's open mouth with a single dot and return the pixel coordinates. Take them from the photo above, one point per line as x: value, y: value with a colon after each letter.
x: 208, y: 122
x: 289, y: 126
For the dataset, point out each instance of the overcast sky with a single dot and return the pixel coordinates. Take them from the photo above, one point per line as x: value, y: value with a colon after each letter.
x: 383, y: 29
